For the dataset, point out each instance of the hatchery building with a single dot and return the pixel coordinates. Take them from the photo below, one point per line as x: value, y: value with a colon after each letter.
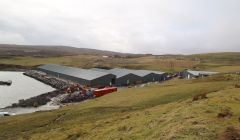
x: 91, y: 78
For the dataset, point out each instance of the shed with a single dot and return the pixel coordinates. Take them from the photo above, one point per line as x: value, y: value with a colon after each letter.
x: 82, y: 76
x: 189, y: 74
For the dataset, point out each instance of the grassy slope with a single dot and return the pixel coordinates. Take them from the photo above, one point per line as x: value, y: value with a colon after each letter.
x: 221, y: 62
x: 162, y: 111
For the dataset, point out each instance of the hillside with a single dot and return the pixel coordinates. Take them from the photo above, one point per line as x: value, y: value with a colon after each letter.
x: 156, y: 111
x: 7, y: 50
x: 31, y: 56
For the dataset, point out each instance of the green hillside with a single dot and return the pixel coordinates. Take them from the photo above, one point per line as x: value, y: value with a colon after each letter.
x: 156, y: 111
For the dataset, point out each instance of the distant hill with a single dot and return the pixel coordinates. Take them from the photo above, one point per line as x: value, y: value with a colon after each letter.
x: 7, y: 50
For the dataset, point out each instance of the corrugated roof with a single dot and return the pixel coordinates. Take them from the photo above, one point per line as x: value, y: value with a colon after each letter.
x: 122, y: 72
x: 98, y: 69
x: 75, y: 72
x: 143, y: 73
x: 197, y: 73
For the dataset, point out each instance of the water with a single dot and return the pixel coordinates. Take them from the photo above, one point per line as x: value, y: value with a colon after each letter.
x: 22, y: 87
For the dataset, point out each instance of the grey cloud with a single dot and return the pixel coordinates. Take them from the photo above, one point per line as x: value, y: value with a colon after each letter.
x: 138, y: 26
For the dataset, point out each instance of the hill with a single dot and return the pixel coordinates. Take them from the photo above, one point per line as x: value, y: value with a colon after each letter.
x: 31, y: 56
x: 156, y: 111
x: 7, y: 50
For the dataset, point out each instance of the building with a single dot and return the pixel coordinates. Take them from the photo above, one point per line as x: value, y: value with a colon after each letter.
x: 150, y: 76
x: 189, y: 74
x: 82, y: 76
x: 124, y: 77
x: 127, y: 76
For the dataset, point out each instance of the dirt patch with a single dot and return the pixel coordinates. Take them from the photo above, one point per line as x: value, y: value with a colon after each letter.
x: 125, y: 128
x: 231, y: 133
x: 225, y: 113
x: 60, y: 118
x: 237, y: 86
x: 200, y: 97
x: 73, y: 136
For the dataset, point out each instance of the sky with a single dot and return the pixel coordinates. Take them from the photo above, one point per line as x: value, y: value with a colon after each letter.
x: 131, y: 26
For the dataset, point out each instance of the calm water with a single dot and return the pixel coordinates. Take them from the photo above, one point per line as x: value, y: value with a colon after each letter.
x: 22, y: 87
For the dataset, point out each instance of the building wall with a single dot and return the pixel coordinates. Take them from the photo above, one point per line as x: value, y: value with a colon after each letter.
x: 186, y: 75
x: 150, y: 78
x: 127, y: 80
x: 161, y: 77
x: 104, y: 81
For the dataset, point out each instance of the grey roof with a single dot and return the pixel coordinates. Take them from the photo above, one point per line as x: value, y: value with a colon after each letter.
x: 120, y: 72
x: 98, y: 69
x: 143, y: 73
x: 75, y: 72
x: 197, y: 73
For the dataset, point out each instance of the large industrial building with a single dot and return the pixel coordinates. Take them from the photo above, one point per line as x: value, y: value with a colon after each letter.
x: 82, y: 76
x: 101, y: 77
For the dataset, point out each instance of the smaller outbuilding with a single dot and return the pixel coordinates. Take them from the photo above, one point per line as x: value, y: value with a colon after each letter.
x: 190, y: 74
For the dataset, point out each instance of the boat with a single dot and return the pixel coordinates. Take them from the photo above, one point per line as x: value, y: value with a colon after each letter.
x: 8, y: 83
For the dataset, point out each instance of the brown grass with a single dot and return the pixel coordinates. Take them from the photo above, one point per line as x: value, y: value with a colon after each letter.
x: 237, y: 86
x: 200, y: 96
x: 231, y: 133
x: 225, y: 113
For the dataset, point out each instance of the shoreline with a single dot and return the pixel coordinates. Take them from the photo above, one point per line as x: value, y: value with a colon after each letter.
x: 26, y: 110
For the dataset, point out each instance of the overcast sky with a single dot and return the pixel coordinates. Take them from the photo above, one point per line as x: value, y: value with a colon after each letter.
x: 136, y: 26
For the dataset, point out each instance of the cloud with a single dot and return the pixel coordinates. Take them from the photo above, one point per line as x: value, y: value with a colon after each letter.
x: 137, y: 26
